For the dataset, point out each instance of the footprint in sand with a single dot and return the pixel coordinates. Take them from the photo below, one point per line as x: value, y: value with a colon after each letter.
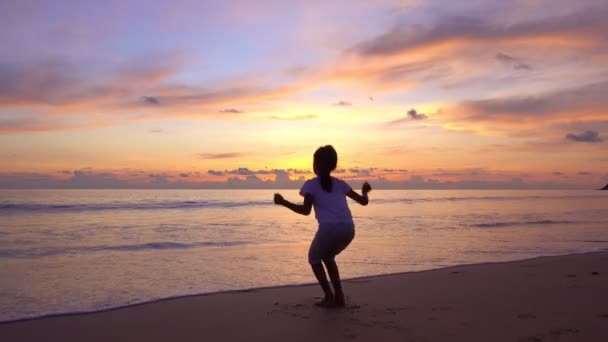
x: 395, y: 310
x: 349, y: 334
x: 564, y: 331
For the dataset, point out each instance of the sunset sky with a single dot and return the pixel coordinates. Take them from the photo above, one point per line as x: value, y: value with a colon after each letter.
x: 412, y: 94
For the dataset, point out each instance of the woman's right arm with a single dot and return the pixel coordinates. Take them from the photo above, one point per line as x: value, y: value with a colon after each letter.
x: 302, y: 209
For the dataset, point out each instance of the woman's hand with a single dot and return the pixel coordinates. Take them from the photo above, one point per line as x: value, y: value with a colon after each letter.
x: 366, y: 188
x: 278, y: 199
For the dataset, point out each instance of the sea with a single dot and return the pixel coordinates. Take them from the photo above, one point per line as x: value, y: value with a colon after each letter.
x: 68, y: 251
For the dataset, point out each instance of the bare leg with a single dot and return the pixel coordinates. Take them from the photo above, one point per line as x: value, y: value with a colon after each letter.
x: 319, y: 272
x: 334, y: 275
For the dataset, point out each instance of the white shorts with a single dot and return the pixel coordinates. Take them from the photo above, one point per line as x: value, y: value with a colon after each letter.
x: 331, y: 239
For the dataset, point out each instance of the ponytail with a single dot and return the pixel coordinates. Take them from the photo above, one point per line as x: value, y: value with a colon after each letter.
x: 326, y: 182
x: 325, y: 161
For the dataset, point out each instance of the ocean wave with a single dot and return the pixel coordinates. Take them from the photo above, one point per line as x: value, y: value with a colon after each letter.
x: 34, y: 207
x: 510, y: 224
x: 410, y: 200
x: 52, y: 251
x: 8, y: 207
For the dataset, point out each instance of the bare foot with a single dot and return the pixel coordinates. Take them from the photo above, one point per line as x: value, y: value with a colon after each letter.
x: 339, y: 301
x: 327, y: 302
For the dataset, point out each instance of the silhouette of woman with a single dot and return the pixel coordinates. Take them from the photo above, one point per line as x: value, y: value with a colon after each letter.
x: 327, y: 195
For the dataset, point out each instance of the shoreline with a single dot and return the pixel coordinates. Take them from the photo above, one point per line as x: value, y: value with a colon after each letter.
x: 284, y: 286
x: 546, y: 298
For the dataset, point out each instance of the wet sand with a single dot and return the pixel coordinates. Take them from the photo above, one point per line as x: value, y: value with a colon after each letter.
x: 560, y: 298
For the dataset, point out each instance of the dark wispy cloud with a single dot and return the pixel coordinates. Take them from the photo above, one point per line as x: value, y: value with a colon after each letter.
x: 50, y: 82
x: 468, y: 28
x: 225, y: 155
x: 87, y: 178
x: 343, y: 104
x: 395, y: 170
x: 411, y: 115
x: 587, y: 136
x: 404, y: 71
x: 584, y: 173
x: 586, y: 99
x: 298, y: 171
x: 294, y: 118
x: 242, y: 171
x: 18, y: 124
x: 150, y: 100
x: 57, y: 82
x: 516, y: 63
x: 231, y: 110
x: 414, y: 115
x: 362, y: 171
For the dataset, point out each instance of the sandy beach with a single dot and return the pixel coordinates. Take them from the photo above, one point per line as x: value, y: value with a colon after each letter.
x: 560, y: 298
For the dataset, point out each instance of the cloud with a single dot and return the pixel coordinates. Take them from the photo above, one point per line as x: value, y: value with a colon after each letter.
x: 242, y: 171
x: 503, y: 57
x: 402, y: 72
x: 522, y: 66
x: 156, y: 130
x: 59, y: 87
x: 298, y: 171
x: 361, y: 172
x: 516, y: 63
x: 60, y: 83
x: 395, y: 170
x: 294, y: 118
x: 414, y: 115
x: 90, y: 179
x: 411, y: 115
x: 245, y: 178
x: 459, y: 28
x: 150, y: 100
x: 343, y: 104
x: 226, y: 155
x: 587, y: 136
x: 49, y: 82
x: 19, y: 124
x: 584, y: 102
x: 231, y: 110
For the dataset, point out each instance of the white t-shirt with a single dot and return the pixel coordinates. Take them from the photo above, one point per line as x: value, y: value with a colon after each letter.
x: 329, y: 206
